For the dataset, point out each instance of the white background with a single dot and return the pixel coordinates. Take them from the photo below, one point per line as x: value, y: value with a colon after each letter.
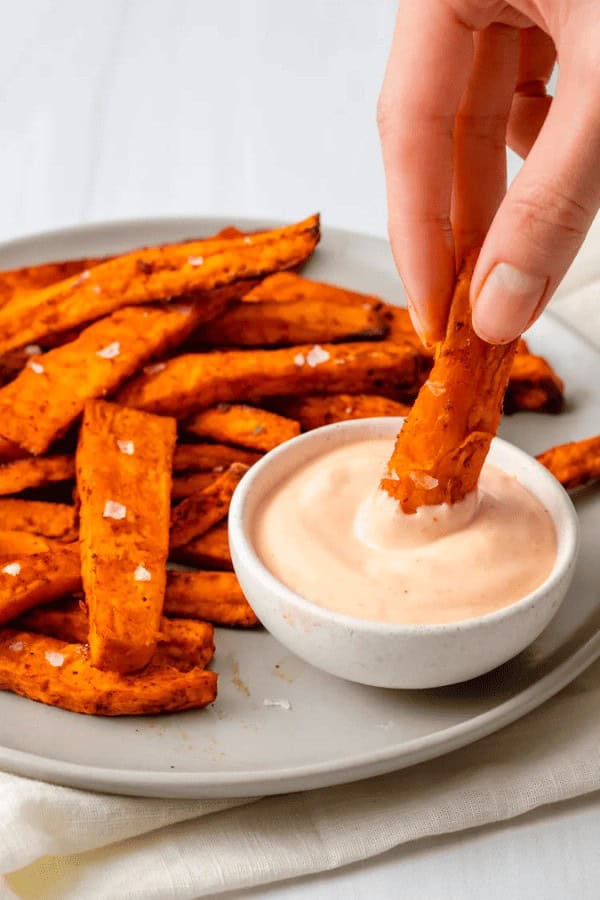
x: 127, y: 108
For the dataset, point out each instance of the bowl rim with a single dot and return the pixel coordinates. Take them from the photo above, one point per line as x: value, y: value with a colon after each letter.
x: 567, y: 539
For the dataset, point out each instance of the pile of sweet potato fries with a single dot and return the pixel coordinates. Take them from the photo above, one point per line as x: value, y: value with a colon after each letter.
x: 211, y: 352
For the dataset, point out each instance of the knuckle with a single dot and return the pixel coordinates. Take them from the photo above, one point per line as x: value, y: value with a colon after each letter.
x: 545, y: 207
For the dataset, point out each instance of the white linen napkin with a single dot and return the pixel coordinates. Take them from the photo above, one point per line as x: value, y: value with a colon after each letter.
x: 63, y: 844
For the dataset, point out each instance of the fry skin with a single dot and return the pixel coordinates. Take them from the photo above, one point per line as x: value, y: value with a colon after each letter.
x: 210, y: 457
x: 289, y: 287
x: 15, y: 544
x: 33, y: 580
x: 446, y: 436
x: 21, y: 474
x: 196, y: 381
x: 574, y: 464
x: 60, y: 674
x: 181, y: 642
x: 316, y: 410
x: 32, y: 278
x: 151, y: 274
x: 247, y: 426
x: 124, y: 460
x: 53, y: 520
x: 49, y: 394
x: 209, y: 551
x: 10, y: 451
x: 183, y: 486
x: 212, y: 596
x: 198, y: 513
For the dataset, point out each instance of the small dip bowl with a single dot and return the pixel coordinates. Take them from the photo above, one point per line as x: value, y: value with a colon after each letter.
x: 396, y: 655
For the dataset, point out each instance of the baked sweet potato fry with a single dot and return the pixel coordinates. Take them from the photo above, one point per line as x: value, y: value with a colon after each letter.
x: 53, y: 520
x: 247, y: 426
x: 317, y: 410
x: 49, y: 394
x: 33, y: 580
x: 60, y: 674
x: 211, y: 596
x: 275, y: 324
x: 196, y: 381
x: 574, y: 464
x: 33, y: 278
x: 210, y: 457
x: 446, y: 436
x: 124, y: 460
x: 190, y: 483
x: 150, y: 274
x: 14, y: 544
x: 533, y: 386
x: 198, y: 513
x: 289, y: 287
x: 21, y: 474
x: 209, y: 551
x: 181, y: 642
x: 10, y: 451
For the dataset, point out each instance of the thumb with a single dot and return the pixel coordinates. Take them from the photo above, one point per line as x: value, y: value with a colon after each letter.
x: 545, y: 215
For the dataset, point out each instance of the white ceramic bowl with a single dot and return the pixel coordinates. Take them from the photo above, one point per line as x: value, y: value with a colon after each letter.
x: 391, y: 655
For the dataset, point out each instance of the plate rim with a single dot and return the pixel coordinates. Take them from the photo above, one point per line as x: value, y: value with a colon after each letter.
x: 256, y: 782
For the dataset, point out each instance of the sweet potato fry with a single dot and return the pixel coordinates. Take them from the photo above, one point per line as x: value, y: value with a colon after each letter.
x: 198, y: 513
x: 10, y: 451
x: 317, y: 410
x: 533, y: 386
x: 21, y: 474
x: 209, y: 551
x: 185, y: 485
x: 14, y: 544
x: 574, y: 464
x: 256, y: 429
x: 212, y: 596
x: 154, y: 273
x: 33, y: 580
x: 286, y: 287
x: 210, y: 457
x: 446, y: 436
x: 53, y: 520
x: 124, y: 462
x: 275, y: 324
x: 49, y: 394
x: 196, y: 381
x: 60, y: 674
x: 33, y: 278
x: 181, y: 642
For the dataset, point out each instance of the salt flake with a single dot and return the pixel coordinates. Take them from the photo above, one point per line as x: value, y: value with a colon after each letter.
x: 82, y: 277
x: 33, y: 350
x: 35, y: 367
x: 154, y: 368
x: 196, y: 260
x: 142, y: 574
x: 316, y: 356
x: 126, y: 447
x: 16, y: 646
x: 97, y: 289
x: 437, y: 388
x: 279, y: 703
x: 299, y: 359
x: 113, y: 510
x: 423, y: 480
x: 247, y: 240
x: 13, y: 569
x: 110, y: 351
x: 55, y: 659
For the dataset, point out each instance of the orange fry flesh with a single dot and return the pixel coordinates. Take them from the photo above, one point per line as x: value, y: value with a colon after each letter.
x: 33, y: 580
x: 189, y: 483
x: 21, y: 474
x: 574, y: 464
x: 53, y: 520
x: 446, y: 436
x: 15, y: 544
x: 316, y: 410
x: 212, y: 596
x: 210, y: 457
x: 209, y: 551
x: 198, y: 513
x: 247, y: 426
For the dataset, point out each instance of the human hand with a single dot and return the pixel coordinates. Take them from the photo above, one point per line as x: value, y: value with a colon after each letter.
x: 463, y: 78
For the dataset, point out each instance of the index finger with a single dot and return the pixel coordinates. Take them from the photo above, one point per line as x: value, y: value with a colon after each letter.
x: 427, y: 72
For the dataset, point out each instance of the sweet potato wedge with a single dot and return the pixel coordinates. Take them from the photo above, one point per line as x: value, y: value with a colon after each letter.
x: 60, y: 674
x: 275, y: 324
x: 53, y: 520
x: 181, y: 642
x: 124, y: 460
x: 210, y: 457
x: 33, y: 580
x: 49, y: 394
x: 190, y: 483
x: 21, y: 474
x: 196, y: 381
x: 247, y: 426
x: 33, y: 278
x: 15, y: 544
x: 317, y: 410
x: 154, y: 273
x: 446, y: 436
x: 533, y: 386
x: 574, y: 464
x: 199, y: 512
x: 209, y: 551
x: 211, y: 596
x: 286, y: 287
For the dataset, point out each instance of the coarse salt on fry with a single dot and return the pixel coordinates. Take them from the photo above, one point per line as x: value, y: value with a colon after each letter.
x: 114, y: 510
x: 126, y: 447
x: 13, y: 569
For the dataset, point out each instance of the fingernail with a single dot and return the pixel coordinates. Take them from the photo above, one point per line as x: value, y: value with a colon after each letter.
x: 507, y: 303
x: 418, y: 324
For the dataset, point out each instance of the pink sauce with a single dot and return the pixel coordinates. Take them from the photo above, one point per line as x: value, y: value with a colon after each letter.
x: 332, y: 536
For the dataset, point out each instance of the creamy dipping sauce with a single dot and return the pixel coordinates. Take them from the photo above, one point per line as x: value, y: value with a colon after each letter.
x: 330, y: 534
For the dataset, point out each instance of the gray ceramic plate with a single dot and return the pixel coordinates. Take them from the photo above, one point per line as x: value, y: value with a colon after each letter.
x: 334, y: 731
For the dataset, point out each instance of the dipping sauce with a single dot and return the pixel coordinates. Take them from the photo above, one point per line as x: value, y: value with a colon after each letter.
x: 330, y: 534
